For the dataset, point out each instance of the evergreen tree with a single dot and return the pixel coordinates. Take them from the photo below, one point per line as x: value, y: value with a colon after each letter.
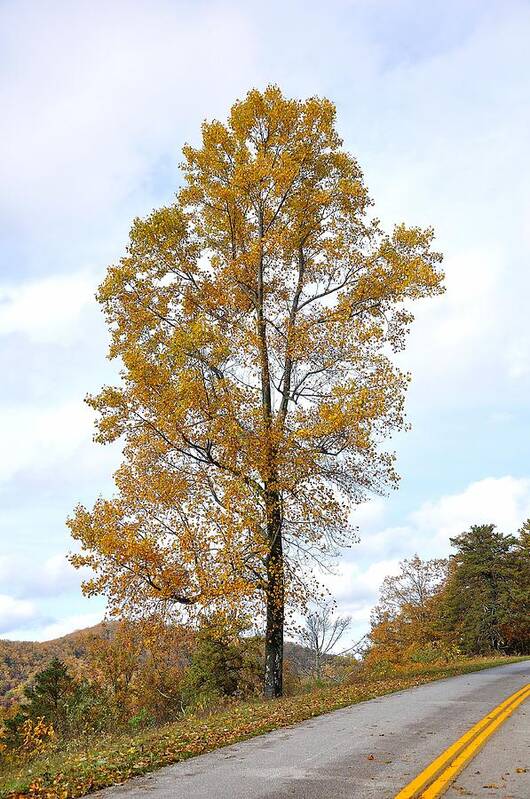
x: 516, y: 617
x: 49, y: 694
x: 476, y: 595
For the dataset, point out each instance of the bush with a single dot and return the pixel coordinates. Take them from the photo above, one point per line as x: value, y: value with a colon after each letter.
x: 223, y: 664
x: 90, y: 711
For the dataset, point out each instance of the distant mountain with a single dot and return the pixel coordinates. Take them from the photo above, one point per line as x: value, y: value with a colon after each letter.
x: 20, y: 660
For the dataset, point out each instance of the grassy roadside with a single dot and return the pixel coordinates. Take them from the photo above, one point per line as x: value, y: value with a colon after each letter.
x: 113, y: 760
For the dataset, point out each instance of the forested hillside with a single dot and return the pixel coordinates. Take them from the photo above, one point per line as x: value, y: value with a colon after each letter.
x: 21, y: 660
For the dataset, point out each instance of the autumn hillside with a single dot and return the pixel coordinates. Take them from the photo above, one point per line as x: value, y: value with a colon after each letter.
x: 21, y: 660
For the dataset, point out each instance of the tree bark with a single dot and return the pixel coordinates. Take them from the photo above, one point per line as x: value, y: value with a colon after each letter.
x: 275, y: 590
x: 275, y: 604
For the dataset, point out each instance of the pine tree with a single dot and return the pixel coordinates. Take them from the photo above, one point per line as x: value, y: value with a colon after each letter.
x: 49, y: 693
x: 475, y: 597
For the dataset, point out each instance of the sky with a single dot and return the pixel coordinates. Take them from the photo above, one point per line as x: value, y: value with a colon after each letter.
x: 97, y: 101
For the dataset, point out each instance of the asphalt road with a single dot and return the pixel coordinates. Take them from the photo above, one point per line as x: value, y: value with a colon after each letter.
x: 368, y: 751
x: 502, y: 769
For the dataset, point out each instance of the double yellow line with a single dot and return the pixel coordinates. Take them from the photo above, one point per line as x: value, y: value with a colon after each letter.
x: 441, y: 773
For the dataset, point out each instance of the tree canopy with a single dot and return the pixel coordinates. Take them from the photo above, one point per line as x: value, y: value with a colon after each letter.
x: 255, y: 319
x: 477, y: 602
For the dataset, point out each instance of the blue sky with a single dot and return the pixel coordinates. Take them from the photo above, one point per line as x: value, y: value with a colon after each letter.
x: 97, y: 100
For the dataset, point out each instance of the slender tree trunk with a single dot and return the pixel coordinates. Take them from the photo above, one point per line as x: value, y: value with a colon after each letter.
x: 317, y: 663
x: 275, y: 605
x: 275, y: 590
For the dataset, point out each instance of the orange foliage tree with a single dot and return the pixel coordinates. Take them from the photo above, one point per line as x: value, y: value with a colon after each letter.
x: 405, y: 620
x: 255, y: 320
x: 141, y: 664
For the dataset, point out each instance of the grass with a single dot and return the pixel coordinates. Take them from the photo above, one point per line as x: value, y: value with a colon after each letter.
x: 73, y: 773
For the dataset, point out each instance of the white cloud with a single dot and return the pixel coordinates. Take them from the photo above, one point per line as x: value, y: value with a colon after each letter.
x: 51, y: 630
x: 355, y: 587
x: 49, y: 309
x: 470, y: 348
x: 53, y: 577
x: 36, y: 438
x: 16, y: 613
x: 504, y: 501
x: 67, y: 625
x: 99, y: 93
x: 368, y: 514
x: 383, y: 541
x: 518, y: 357
x: 37, y: 592
x: 55, y: 320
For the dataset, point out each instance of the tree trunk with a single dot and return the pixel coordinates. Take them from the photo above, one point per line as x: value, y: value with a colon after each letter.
x: 317, y: 664
x: 274, y: 648
x: 275, y: 608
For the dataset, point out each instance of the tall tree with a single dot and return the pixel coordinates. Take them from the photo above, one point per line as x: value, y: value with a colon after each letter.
x: 475, y: 596
x: 407, y: 612
x: 255, y: 319
x: 515, y: 622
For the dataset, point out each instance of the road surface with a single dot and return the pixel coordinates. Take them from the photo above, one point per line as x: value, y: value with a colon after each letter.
x: 367, y: 751
x: 502, y: 769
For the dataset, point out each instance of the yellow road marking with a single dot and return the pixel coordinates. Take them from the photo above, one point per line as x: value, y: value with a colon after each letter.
x: 442, y: 771
x: 447, y: 777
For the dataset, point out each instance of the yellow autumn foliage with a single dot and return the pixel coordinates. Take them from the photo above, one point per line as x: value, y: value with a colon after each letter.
x: 255, y: 319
